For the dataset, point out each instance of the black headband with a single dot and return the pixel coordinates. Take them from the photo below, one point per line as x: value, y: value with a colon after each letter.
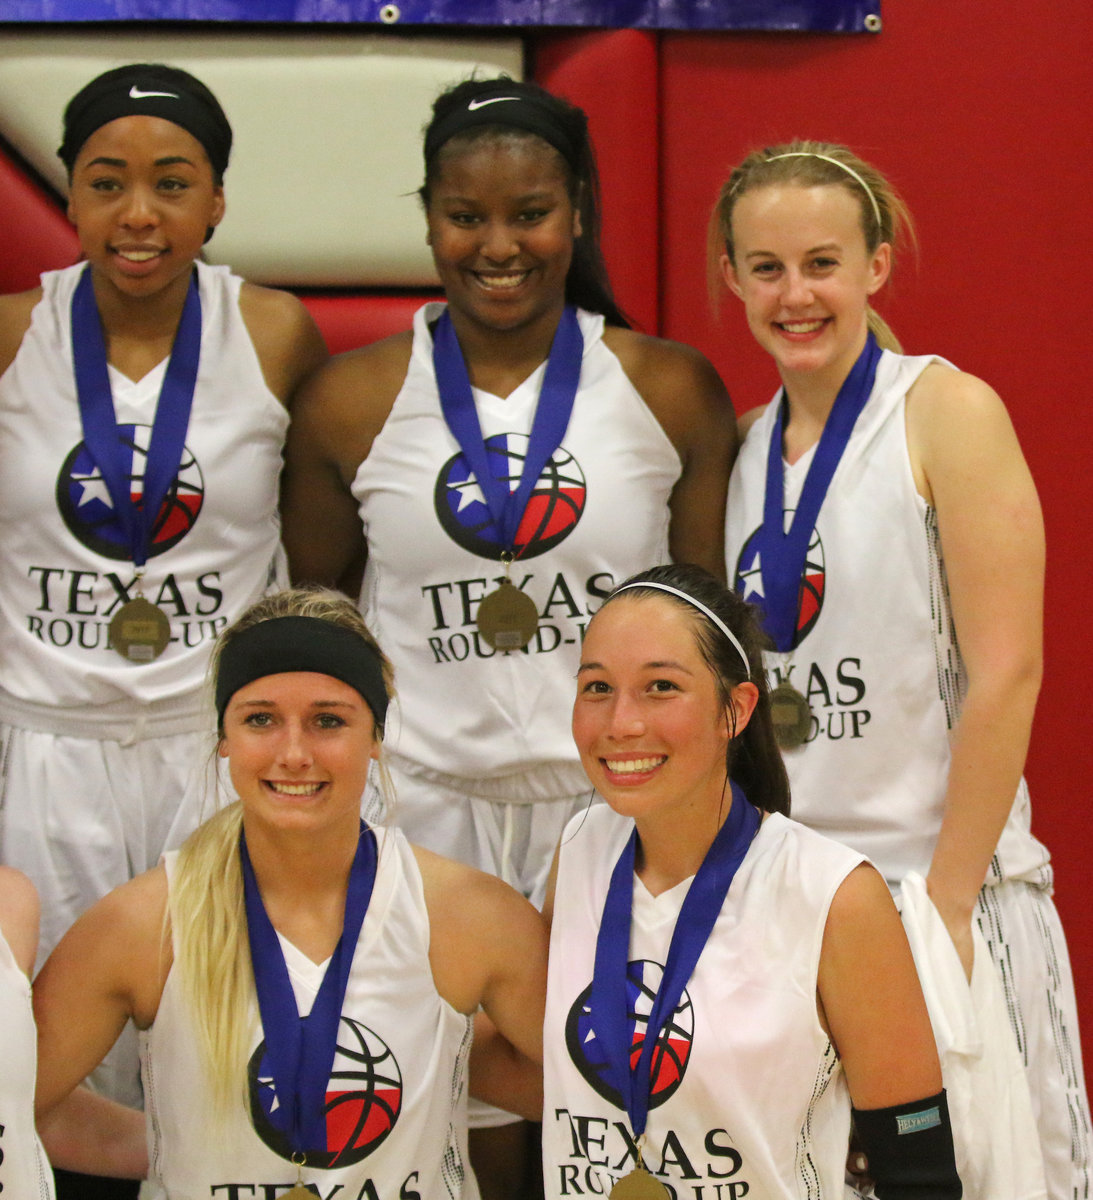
x: 148, y: 90
x: 506, y: 104
x: 284, y: 644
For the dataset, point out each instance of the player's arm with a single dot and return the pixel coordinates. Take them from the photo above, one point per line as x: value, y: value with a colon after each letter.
x: 15, y: 311
x: 685, y: 394
x: 336, y: 416
x: 286, y: 339
x: 91, y: 1134
x: 108, y: 968
x: 19, y: 916
x: 870, y: 998
x: 488, y: 949
x: 969, y: 465
x: 872, y: 1007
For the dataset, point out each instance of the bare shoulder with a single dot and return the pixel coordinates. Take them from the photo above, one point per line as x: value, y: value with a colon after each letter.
x: 286, y: 339
x: 682, y: 390
x: 862, y: 898
x: 345, y: 404
x: 943, y: 393
x: 19, y: 912
x: 135, y: 912
x: 478, y: 928
x: 138, y: 919
x: 664, y: 370
x: 748, y: 419
x: 15, y: 311
x: 950, y: 412
x: 862, y: 931
x: 452, y: 886
x: 122, y: 939
x: 960, y: 436
x: 378, y: 368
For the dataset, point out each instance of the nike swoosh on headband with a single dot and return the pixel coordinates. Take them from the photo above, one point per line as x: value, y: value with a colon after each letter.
x: 476, y: 103
x: 136, y: 94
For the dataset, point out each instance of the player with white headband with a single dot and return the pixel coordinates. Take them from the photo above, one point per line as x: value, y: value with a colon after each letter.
x: 707, y: 1023
x: 883, y: 516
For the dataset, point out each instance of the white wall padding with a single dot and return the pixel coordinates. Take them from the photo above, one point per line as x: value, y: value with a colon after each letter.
x: 327, y: 152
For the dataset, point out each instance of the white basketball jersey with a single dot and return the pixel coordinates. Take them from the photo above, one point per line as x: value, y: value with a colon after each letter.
x: 25, y: 1173
x: 598, y: 513
x: 876, y: 654
x: 749, y: 1097
x: 396, y: 1104
x: 65, y: 567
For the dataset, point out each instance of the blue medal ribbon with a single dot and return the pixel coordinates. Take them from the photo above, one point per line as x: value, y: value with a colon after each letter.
x: 610, y: 1015
x: 300, y: 1050
x: 783, y: 552
x: 99, y: 420
x: 563, y: 372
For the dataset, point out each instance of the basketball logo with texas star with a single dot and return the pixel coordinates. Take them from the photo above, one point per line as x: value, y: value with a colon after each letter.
x: 363, y: 1098
x: 673, y: 1048
x: 88, y: 511
x: 748, y: 580
x: 554, y: 506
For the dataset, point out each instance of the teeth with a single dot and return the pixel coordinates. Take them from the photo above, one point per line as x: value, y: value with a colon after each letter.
x: 502, y: 281
x: 801, y: 326
x: 296, y: 789
x: 138, y: 255
x: 633, y: 765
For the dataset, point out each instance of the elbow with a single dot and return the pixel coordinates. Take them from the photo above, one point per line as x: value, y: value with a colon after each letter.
x: 1013, y: 683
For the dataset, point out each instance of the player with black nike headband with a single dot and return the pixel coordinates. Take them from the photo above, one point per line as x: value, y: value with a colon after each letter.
x: 143, y: 406
x: 501, y: 467
x: 306, y: 982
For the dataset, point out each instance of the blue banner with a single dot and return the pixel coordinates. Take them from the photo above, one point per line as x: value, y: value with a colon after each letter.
x: 816, y: 16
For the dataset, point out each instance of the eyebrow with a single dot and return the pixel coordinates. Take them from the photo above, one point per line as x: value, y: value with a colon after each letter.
x: 541, y: 195
x: 169, y: 160
x: 811, y: 250
x: 655, y: 665
x: 314, y: 704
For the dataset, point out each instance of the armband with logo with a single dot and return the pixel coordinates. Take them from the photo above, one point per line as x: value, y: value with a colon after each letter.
x: 910, y: 1150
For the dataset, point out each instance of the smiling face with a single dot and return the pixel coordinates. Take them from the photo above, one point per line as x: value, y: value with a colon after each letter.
x: 648, y: 721
x: 501, y: 227
x: 142, y: 198
x: 298, y: 746
x: 805, y: 275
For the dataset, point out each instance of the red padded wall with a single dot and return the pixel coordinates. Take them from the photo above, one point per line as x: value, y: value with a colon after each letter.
x: 349, y: 321
x: 976, y: 110
x: 613, y: 76
x: 35, y: 234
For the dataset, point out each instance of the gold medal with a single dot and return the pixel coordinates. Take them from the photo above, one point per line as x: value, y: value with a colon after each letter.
x: 299, y: 1192
x: 507, y: 618
x: 140, y: 631
x: 639, y: 1185
x: 791, y: 715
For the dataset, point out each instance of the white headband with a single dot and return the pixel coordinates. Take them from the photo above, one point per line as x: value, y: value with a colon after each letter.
x: 849, y: 170
x: 664, y: 587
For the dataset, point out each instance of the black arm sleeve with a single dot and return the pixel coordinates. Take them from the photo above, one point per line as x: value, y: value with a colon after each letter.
x: 910, y: 1150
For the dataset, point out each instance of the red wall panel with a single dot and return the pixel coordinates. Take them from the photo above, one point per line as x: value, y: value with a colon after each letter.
x: 977, y: 111
x: 613, y: 76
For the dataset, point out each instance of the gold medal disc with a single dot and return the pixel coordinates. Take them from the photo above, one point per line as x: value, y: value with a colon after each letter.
x: 639, y: 1185
x: 791, y: 716
x: 507, y: 617
x: 299, y: 1192
x: 140, y: 631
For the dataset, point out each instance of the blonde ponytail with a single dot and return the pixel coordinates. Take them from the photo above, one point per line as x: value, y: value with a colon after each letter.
x: 212, y: 952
